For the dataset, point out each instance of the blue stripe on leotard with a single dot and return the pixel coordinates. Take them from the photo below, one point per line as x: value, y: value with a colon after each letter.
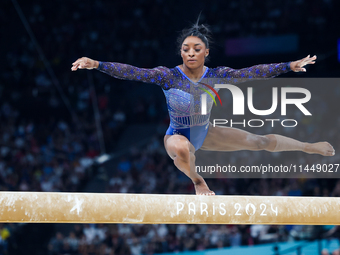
x: 195, y: 135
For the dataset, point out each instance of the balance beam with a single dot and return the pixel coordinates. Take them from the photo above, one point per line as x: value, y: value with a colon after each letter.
x: 59, y: 207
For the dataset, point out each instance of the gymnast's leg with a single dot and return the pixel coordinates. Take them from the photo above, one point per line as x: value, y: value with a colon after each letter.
x: 232, y: 139
x: 182, y: 152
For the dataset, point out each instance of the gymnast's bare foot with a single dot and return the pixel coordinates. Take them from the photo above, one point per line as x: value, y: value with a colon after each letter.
x: 322, y: 148
x: 202, y: 189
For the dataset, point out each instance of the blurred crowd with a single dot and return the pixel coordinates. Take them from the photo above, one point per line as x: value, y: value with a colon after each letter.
x: 151, y: 239
x: 49, y: 135
x: 48, y: 157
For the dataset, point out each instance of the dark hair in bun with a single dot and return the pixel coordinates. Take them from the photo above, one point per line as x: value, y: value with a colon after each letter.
x: 201, y: 31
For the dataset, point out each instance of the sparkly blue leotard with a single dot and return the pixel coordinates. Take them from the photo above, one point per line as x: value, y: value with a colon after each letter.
x: 183, y: 95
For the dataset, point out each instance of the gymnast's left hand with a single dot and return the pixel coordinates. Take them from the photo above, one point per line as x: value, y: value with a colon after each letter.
x: 297, y: 66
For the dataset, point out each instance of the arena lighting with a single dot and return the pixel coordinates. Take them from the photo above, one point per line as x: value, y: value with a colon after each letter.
x: 103, y: 158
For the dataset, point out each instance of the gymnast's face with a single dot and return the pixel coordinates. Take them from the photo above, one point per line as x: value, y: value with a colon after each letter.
x: 194, y: 52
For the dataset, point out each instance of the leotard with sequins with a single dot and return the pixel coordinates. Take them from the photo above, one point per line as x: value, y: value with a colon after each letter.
x: 183, y: 96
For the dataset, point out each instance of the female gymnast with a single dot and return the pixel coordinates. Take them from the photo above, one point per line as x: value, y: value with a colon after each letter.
x: 189, y: 130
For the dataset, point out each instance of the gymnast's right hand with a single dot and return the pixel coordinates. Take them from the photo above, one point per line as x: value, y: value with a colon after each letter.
x: 84, y: 63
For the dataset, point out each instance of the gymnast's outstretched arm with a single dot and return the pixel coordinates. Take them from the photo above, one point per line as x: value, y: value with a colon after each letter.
x: 263, y: 71
x: 159, y: 75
